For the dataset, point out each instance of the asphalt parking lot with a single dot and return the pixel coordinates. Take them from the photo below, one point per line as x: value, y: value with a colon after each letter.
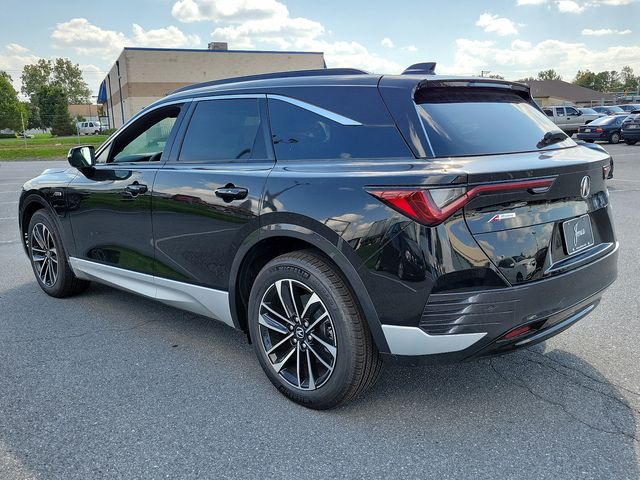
x: 108, y: 384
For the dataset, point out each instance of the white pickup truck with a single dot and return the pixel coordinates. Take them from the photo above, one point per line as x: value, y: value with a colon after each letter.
x: 568, y: 118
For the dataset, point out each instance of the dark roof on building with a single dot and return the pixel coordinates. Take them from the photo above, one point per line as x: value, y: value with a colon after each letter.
x: 566, y: 91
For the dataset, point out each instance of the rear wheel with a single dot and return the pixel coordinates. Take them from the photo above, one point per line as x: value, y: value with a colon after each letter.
x: 49, y: 259
x: 630, y: 142
x: 309, y: 335
x: 615, y: 138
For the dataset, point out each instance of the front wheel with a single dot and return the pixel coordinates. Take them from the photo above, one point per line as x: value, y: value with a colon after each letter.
x: 308, y: 332
x: 48, y: 258
x: 615, y: 138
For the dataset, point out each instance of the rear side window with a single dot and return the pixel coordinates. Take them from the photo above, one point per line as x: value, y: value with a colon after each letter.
x: 223, y: 130
x: 482, y: 121
x: 300, y: 134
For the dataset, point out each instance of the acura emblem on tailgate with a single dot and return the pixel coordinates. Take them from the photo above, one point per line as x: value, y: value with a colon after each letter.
x: 502, y: 216
x: 585, y: 186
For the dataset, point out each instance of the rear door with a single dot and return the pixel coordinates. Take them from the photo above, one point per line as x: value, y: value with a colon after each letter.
x: 110, y: 205
x: 207, y: 197
x: 561, y: 119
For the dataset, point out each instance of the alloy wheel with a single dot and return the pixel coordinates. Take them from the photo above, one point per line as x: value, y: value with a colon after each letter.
x: 44, y: 254
x: 297, y: 334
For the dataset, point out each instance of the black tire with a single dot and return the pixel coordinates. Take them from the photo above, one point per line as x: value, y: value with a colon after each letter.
x: 630, y: 142
x: 615, y: 138
x: 356, y: 362
x: 53, y: 273
x: 589, y: 141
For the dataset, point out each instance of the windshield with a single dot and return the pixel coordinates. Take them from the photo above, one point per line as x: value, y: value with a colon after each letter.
x: 615, y: 109
x: 484, y: 121
x: 588, y: 111
x: 605, y: 120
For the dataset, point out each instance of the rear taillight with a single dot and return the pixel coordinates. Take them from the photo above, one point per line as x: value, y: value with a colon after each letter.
x: 599, y: 130
x: 432, y: 206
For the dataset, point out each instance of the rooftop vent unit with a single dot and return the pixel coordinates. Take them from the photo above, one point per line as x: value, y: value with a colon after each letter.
x: 426, y: 68
x: 218, y: 46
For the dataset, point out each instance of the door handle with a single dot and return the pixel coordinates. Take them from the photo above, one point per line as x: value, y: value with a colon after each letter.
x: 135, y: 189
x: 230, y: 192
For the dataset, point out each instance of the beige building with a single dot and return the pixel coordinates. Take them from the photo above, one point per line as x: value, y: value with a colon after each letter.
x: 557, y: 92
x: 142, y: 75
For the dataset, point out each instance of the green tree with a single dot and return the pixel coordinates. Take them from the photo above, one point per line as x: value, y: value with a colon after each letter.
x: 35, y: 121
x: 628, y: 79
x: 53, y: 104
x: 12, y: 112
x: 496, y: 76
x: 550, y: 74
x: 35, y: 76
x: 588, y: 79
x: 4, y: 74
x: 60, y: 72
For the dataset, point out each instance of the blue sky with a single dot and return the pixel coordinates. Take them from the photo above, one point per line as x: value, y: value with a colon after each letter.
x: 514, y: 38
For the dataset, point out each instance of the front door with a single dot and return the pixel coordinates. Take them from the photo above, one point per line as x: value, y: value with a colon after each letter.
x: 110, y: 205
x: 207, y: 199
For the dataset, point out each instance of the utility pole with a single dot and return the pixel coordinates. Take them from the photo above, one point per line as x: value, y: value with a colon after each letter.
x: 24, y: 134
x: 482, y: 72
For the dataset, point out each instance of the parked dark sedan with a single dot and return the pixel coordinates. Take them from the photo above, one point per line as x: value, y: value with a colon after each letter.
x: 604, y: 129
x: 609, y: 109
x: 630, y: 107
x: 631, y: 128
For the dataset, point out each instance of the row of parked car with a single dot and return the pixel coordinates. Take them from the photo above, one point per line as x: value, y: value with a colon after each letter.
x: 610, y: 123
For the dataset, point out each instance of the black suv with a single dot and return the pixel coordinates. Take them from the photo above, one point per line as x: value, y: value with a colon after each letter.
x: 631, y: 128
x: 337, y: 216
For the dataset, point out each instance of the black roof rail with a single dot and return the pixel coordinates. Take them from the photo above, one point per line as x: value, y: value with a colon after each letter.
x: 266, y: 76
x: 425, y: 68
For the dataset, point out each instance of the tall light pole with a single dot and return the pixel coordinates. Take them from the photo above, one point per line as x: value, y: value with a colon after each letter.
x: 483, y: 72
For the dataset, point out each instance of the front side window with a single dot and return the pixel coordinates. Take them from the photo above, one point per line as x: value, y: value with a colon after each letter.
x: 300, y: 134
x: 483, y: 121
x: 224, y: 130
x: 571, y: 111
x: 146, y: 138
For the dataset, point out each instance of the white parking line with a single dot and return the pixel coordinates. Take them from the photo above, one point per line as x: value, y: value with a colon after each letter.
x: 8, y: 218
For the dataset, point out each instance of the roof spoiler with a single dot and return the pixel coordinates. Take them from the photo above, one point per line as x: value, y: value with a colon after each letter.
x: 424, y: 68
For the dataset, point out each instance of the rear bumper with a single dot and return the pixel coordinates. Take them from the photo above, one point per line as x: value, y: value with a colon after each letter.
x: 631, y: 134
x: 463, y: 326
x: 593, y: 136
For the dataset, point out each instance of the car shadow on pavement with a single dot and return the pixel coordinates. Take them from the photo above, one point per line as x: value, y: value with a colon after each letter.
x: 541, y: 411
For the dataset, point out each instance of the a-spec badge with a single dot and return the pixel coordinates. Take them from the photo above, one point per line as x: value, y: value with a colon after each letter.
x: 502, y: 216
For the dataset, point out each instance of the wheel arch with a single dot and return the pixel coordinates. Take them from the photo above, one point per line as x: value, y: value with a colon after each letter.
x: 30, y: 203
x: 275, y: 240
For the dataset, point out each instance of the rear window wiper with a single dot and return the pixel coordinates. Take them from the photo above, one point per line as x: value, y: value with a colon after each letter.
x: 552, y: 137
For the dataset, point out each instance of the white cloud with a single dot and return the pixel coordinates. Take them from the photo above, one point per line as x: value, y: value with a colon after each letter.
x: 227, y: 10
x: 13, y: 59
x: 604, y: 31
x: 496, y: 24
x: 268, y: 24
x: 15, y: 48
x: 576, y: 6
x: 569, y: 6
x: 523, y: 59
x: 86, y: 38
x: 387, y: 42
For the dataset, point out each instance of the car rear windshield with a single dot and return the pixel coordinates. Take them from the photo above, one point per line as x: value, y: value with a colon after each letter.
x: 463, y: 121
x: 605, y: 120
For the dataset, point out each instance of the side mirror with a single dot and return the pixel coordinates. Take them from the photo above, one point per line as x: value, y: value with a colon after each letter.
x: 579, y: 113
x: 82, y: 157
